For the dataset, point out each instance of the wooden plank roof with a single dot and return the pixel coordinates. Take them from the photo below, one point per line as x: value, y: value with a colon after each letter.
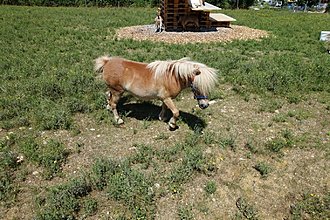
x: 206, y: 7
x: 221, y: 17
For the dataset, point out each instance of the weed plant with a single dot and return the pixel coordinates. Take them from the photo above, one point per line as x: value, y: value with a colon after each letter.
x: 280, y: 118
x: 63, y: 202
x: 143, y: 156
x: 263, y: 168
x: 90, y: 207
x: 125, y: 184
x: 312, y: 205
x: 132, y: 188
x: 102, y: 169
x: 210, y: 187
x: 227, y: 142
x: 247, y: 210
x: 170, y: 154
x: 193, y: 161
x: 8, y: 187
x: 271, y: 105
x: 251, y: 146
x: 50, y: 155
x: 8, y: 165
x: 284, y: 140
x: 185, y: 213
x: 210, y: 138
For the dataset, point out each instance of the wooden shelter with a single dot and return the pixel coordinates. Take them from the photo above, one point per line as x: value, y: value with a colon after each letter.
x: 172, y: 10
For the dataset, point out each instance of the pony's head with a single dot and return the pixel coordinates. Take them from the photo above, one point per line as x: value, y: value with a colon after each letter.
x: 198, y: 76
x: 202, y: 99
x: 202, y: 81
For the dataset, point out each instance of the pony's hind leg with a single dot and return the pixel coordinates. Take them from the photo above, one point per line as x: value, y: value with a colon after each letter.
x: 113, y: 98
x: 161, y: 115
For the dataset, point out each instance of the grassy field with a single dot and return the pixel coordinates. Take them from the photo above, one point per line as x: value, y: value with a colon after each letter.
x: 260, y: 152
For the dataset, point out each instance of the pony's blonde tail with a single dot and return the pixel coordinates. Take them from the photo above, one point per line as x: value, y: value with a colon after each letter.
x: 100, y: 62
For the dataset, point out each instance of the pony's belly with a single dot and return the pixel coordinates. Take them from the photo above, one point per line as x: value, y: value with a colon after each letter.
x: 143, y: 93
x: 144, y: 97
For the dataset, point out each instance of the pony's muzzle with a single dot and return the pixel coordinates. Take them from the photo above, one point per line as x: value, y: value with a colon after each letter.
x: 203, y: 102
x: 203, y: 105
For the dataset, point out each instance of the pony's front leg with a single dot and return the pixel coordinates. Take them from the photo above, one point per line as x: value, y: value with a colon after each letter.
x: 172, y: 123
x: 113, y: 99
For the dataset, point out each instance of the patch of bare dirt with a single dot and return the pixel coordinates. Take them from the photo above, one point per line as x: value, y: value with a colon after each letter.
x: 221, y: 34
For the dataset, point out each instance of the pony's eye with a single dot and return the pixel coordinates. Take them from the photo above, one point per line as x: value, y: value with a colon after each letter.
x: 197, y: 72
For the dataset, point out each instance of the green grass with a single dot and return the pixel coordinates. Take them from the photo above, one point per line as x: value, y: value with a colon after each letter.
x: 312, y: 205
x: 263, y: 168
x: 283, y: 140
x: 8, y: 166
x: 193, y: 161
x: 46, y: 83
x: 185, y: 213
x: 47, y: 65
x: 133, y: 188
x: 51, y: 155
x: 143, y: 156
x: 90, y: 207
x: 50, y: 98
x: 246, y: 209
x: 210, y: 187
x: 63, y: 201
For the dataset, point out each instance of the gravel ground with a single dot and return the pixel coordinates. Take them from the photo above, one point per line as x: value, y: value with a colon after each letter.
x: 221, y: 34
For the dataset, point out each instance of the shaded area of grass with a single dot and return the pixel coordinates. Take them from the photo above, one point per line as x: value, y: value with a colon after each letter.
x: 149, y: 112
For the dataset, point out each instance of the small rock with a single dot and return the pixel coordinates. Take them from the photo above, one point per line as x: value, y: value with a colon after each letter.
x: 212, y: 102
x: 20, y: 159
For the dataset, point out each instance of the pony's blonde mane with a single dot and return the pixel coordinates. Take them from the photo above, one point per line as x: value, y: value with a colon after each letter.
x: 184, y: 69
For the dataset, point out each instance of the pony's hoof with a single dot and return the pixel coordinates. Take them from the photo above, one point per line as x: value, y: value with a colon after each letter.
x: 173, y: 127
x: 163, y: 119
x: 120, y: 121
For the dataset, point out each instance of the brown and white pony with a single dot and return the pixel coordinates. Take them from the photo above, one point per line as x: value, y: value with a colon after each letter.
x: 162, y: 80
